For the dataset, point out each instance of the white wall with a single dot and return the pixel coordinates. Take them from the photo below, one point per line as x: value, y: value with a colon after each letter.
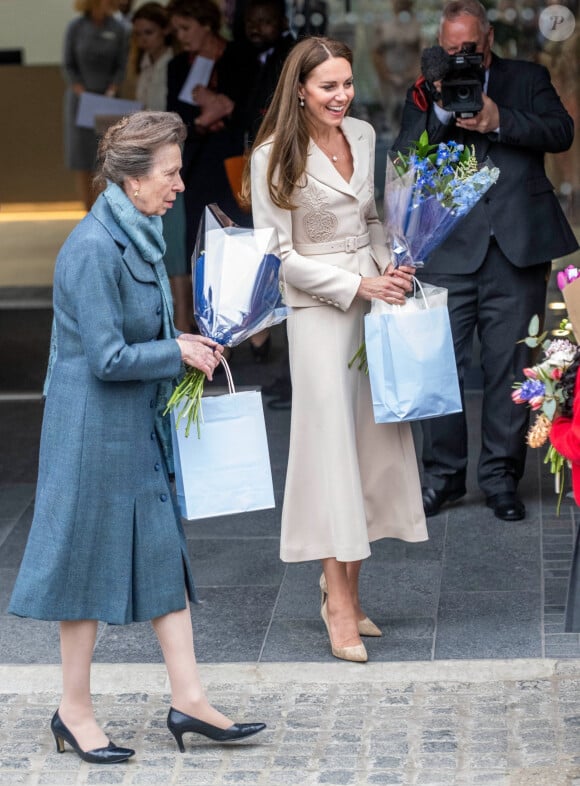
x: 37, y: 26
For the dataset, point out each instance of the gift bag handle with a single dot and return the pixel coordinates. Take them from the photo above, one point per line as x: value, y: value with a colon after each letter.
x: 230, y: 379
x: 417, y: 283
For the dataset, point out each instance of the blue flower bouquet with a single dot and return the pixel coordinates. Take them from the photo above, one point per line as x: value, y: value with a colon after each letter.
x: 236, y: 293
x: 427, y: 192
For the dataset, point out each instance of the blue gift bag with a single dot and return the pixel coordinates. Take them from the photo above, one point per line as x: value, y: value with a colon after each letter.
x: 227, y: 469
x: 411, y: 362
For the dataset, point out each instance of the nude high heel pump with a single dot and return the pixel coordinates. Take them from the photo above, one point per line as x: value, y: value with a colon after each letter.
x: 356, y: 653
x: 366, y: 627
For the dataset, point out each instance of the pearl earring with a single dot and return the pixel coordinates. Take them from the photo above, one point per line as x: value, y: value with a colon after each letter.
x: 136, y: 193
x: 301, y: 101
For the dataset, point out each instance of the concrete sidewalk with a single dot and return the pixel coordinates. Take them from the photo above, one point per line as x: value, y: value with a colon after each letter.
x: 450, y: 723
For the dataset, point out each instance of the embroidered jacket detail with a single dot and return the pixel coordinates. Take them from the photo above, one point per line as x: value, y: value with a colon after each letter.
x: 320, y: 224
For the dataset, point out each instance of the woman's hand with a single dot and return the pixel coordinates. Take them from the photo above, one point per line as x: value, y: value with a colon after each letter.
x: 200, y: 352
x: 215, y: 108
x: 390, y: 287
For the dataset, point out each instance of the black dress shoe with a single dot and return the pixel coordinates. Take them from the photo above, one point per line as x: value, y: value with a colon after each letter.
x: 507, y: 506
x: 433, y: 499
x: 179, y: 723
x: 112, y: 754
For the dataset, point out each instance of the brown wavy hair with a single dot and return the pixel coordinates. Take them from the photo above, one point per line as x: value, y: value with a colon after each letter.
x: 286, y: 122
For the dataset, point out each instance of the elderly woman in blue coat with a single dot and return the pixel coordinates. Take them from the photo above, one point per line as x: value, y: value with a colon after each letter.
x: 106, y: 541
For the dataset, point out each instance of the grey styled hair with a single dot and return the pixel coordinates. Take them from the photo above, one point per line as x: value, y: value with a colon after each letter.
x: 456, y: 8
x: 127, y: 147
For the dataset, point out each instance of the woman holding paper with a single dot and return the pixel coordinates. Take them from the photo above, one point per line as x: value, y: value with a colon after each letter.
x: 106, y: 541
x: 208, y: 85
x: 95, y: 56
x: 349, y: 480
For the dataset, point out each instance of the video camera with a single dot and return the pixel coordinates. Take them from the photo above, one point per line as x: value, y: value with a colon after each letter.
x: 461, y: 77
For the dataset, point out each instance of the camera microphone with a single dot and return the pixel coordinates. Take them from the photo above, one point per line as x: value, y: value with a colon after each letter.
x: 434, y: 63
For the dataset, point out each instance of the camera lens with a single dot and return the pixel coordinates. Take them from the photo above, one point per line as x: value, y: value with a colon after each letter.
x: 463, y: 93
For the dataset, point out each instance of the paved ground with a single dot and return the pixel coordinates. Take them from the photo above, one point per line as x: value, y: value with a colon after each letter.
x: 487, y: 723
x: 474, y: 682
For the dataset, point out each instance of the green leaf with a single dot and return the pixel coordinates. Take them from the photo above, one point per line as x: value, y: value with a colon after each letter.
x: 549, y: 408
x: 534, y: 326
x: 530, y: 342
x: 423, y: 139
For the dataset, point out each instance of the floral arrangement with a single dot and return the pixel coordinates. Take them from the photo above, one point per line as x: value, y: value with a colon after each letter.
x: 236, y: 293
x: 542, y: 392
x: 427, y: 192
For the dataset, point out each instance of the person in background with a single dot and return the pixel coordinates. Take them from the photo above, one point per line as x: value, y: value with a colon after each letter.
x: 214, y: 125
x: 94, y: 60
x: 496, y: 263
x: 266, y: 29
x: 151, y: 52
x: 123, y: 13
x: 106, y: 541
x: 312, y: 179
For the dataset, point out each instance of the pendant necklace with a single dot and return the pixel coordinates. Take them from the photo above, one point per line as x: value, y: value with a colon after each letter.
x: 333, y: 157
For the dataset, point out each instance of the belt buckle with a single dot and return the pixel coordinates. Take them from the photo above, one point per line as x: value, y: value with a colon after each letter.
x: 350, y: 244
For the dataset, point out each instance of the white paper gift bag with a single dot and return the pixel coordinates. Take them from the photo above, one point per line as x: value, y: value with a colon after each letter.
x: 227, y: 469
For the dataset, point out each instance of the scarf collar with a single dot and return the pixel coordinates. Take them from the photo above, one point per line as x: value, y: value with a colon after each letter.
x: 144, y: 231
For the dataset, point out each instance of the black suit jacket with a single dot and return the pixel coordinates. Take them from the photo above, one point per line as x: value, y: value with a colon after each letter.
x: 521, y: 209
x: 265, y: 82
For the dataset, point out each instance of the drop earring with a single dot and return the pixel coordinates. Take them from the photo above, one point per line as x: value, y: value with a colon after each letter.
x: 301, y: 101
x: 136, y: 193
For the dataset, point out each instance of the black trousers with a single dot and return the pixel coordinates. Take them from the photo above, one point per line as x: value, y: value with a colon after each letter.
x: 498, y: 300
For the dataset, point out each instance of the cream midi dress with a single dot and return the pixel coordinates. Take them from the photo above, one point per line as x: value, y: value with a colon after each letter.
x: 349, y: 481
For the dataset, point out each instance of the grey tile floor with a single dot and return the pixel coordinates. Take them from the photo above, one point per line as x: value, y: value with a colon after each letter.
x: 479, y: 588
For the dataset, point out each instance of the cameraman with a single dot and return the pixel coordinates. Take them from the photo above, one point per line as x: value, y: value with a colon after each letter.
x: 496, y: 263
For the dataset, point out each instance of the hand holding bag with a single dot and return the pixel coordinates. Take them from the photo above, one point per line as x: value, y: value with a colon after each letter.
x: 227, y: 470
x: 411, y: 359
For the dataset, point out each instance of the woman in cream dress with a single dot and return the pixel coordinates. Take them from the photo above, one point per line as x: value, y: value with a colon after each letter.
x: 349, y: 480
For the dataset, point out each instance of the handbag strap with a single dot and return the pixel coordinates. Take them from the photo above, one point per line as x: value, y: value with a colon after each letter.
x: 230, y: 379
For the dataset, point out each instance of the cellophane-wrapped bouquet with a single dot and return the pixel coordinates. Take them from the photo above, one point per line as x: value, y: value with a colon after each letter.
x: 427, y: 192
x: 237, y: 292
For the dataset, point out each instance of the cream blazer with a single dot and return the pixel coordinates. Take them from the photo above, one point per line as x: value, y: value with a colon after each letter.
x: 319, y: 241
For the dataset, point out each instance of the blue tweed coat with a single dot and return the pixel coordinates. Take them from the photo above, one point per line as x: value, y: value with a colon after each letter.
x: 106, y: 541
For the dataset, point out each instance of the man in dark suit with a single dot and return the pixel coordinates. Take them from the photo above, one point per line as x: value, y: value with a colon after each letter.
x: 497, y: 261
x: 266, y: 28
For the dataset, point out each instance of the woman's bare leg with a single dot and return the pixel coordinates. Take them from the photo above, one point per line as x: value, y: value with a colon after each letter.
x: 353, y: 573
x: 77, y: 642
x: 175, y: 634
x: 342, y: 617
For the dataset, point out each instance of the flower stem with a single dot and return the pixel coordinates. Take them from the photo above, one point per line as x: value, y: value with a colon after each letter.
x: 187, y: 397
